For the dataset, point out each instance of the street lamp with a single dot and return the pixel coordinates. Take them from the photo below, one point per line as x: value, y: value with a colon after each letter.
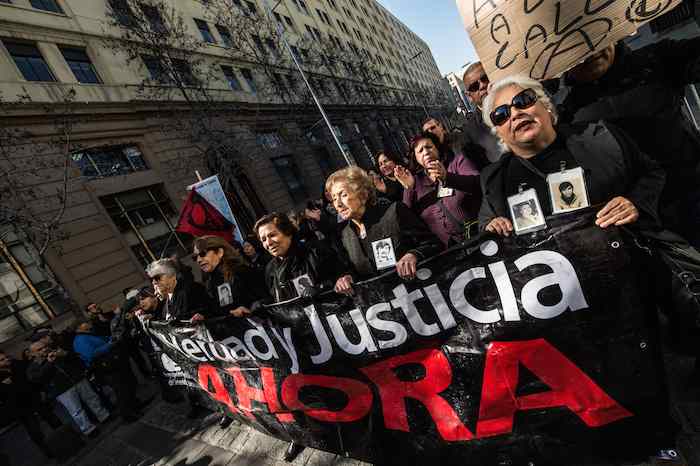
x: 280, y: 31
x: 427, y: 115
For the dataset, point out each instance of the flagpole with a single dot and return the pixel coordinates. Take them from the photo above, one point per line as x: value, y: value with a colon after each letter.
x: 280, y: 31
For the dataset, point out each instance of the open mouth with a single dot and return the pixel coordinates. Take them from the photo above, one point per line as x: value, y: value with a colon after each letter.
x: 523, y: 125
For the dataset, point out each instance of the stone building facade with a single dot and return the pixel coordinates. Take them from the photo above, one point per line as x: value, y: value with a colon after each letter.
x: 128, y: 176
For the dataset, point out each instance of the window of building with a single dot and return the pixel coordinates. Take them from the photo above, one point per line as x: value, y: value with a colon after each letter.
x: 205, y: 31
x: 29, y: 60
x: 154, y: 18
x: 146, y: 218
x: 225, y: 35
x: 46, y: 5
x: 289, y: 22
x: 28, y: 295
x: 155, y: 69
x: 231, y: 78
x: 288, y: 171
x: 333, y: 4
x: 109, y: 161
x: 301, y: 6
x: 122, y: 12
x: 252, y: 9
x: 270, y: 140
x: 80, y: 64
x: 259, y: 44
x: 248, y: 76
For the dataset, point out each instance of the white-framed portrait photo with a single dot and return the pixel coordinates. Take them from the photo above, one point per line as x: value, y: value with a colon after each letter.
x: 567, y: 190
x: 526, y: 212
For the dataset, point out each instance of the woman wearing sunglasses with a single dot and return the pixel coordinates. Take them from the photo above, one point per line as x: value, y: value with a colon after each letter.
x: 229, y: 281
x: 442, y: 189
x: 620, y: 177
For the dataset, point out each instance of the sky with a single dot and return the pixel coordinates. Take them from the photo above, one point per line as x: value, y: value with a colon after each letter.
x: 438, y: 23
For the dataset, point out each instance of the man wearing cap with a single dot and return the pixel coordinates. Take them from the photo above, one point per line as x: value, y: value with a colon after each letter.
x: 476, y: 132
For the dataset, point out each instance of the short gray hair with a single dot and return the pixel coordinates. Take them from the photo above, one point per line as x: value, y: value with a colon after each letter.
x: 523, y: 82
x: 161, y: 267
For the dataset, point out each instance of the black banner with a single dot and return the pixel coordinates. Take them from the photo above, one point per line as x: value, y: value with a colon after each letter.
x: 504, y: 351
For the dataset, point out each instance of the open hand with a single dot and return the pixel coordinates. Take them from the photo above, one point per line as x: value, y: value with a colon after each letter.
x: 619, y: 211
x: 404, y: 177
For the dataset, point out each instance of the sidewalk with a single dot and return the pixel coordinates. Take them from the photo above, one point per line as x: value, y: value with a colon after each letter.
x: 164, y: 436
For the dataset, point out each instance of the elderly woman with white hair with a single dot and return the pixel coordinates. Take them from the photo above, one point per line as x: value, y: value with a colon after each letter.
x: 377, y: 236
x: 619, y: 176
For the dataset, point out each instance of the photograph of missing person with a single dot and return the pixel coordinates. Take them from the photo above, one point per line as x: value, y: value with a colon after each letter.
x: 384, y: 256
x: 567, y: 190
x: 303, y: 285
x: 526, y: 212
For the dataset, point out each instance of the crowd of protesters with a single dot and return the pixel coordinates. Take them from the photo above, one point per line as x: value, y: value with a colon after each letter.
x: 449, y: 187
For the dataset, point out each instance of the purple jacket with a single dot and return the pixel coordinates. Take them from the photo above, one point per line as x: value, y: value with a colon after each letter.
x: 462, y: 206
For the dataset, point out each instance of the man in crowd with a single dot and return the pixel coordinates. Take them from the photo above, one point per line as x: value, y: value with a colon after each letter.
x: 642, y: 92
x: 125, y: 332
x: 183, y: 299
x: 62, y: 377
x: 20, y: 399
x: 476, y: 132
x: 101, y: 319
x: 102, y: 356
x: 456, y: 143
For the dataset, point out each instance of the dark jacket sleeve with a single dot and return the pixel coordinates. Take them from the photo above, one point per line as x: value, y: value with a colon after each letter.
x: 646, y: 176
x: 416, y: 237
x: 40, y: 372
x: 252, y: 287
x: 680, y: 59
x: 487, y: 211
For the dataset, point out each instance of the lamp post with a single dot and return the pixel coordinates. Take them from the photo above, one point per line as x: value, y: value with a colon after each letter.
x: 427, y: 115
x: 280, y: 31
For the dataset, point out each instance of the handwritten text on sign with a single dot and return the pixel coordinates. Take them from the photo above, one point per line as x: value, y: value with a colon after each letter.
x: 544, y: 38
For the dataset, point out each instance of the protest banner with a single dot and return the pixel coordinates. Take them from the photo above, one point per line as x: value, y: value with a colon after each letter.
x: 211, y: 190
x: 534, y: 349
x: 542, y: 39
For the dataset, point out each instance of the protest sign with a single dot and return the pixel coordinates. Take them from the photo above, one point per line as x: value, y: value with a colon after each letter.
x: 544, y: 38
x: 505, y: 351
x: 211, y: 190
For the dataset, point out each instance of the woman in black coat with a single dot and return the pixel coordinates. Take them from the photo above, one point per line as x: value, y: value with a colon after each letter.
x: 296, y: 269
x: 230, y: 282
x: 377, y: 236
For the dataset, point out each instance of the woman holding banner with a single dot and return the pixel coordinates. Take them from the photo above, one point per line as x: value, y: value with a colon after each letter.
x: 378, y: 236
x: 443, y: 189
x: 229, y: 281
x: 296, y: 269
x: 620, y: 177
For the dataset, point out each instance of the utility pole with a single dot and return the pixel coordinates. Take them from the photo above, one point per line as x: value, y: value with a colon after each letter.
x: 422, y: 100
x: 280, y: 31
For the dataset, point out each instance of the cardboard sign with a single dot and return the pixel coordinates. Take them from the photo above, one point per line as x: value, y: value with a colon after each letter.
x: 544, y: 38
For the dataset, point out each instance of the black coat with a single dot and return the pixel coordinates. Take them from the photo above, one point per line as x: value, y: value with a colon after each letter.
x: 321, y: 264
x: 20, y: 396
x: 642, y: 93
x: 58, y: 376
x: 613, y: 165
x: 408, y: 233
x: 189, y: 298
x: 247, y: 286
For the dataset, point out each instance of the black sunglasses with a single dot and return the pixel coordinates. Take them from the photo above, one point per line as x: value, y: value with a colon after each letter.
x: 521, y: 101
x: 473, y: 87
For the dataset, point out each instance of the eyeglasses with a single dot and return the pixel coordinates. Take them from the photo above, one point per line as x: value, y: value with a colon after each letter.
x: 156, y: 278
x: 476, y: 85
x: 521, y: 101
x: 201, y: 253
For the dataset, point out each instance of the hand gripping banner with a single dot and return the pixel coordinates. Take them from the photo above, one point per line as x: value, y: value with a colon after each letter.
x: 502, y: 351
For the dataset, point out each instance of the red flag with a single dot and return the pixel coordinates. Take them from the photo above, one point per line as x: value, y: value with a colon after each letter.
x: 199, y: 218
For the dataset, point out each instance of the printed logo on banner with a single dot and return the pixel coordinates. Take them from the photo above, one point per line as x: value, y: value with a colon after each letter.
x: 543, y: 39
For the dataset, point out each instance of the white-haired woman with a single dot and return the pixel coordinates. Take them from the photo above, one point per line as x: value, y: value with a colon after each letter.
x: 620, y: 177
x: 377, y: 236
